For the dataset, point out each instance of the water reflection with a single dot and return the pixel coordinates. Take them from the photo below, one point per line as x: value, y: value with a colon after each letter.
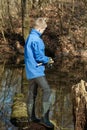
x: 10, y: 84
x: 65, y: 73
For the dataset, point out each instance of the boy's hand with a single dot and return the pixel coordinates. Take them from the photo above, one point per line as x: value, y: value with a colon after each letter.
x: 51, y: 61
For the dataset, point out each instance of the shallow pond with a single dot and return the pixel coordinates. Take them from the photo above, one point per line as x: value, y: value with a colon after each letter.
x: 61, y: 76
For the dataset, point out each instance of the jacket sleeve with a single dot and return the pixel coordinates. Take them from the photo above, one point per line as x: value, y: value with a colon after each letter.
x: 39, y: 54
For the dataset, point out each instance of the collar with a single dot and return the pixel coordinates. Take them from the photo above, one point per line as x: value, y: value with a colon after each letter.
x: 34, y: 31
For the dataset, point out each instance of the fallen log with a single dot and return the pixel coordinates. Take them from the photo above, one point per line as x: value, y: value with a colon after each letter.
x: 79, y: 100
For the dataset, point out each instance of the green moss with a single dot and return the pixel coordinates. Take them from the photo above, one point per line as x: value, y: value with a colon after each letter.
x: 19, y: 107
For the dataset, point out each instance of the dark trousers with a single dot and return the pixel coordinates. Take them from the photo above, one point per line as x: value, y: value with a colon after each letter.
x: 33, y: 88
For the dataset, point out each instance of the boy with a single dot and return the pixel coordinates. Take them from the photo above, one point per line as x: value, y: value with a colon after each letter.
x: 35, y: 60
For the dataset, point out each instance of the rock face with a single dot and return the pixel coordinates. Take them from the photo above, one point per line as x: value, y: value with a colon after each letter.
x: 79, y: 99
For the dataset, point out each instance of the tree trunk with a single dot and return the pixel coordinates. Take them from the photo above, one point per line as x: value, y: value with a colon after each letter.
x: 79, y: 99
x: 9, y: 15
x: 23, y: 8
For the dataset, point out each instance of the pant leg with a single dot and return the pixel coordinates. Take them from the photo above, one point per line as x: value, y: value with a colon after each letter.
x: 31, y: 99
x: 46, y: 103
x: 33, y: 86
x: 42, y: 82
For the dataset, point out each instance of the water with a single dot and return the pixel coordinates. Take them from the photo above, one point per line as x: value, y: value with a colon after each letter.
x: 62, y: 76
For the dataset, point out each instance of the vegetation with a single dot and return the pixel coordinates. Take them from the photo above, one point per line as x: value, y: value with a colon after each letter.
x: 67, y: 25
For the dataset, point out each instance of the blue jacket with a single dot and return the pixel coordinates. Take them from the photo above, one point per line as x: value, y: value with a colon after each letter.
x: 34, y: 53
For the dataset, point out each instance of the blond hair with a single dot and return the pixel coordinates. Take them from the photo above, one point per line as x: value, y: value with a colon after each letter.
x: 40, y: 22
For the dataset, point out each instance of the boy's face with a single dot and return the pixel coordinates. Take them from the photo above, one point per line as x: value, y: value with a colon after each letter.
x: 43, y: 29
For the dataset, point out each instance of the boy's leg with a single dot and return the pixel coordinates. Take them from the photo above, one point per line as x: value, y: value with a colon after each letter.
x: 42, y: 82
x: 31, y: 100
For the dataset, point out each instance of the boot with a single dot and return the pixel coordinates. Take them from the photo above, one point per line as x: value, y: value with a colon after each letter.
x: 31, y: 111
x: 45, y: 118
